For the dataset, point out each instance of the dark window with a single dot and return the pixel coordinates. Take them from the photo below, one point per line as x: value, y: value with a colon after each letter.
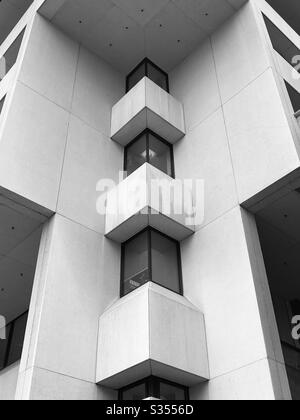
x: 147, y: 69
x: 294, y: 97
x: 282, y: 44
x: 154, y: 388
x: 11, y: 348
x: 1, y: 104
x: 289, y: 11
x: 9, y: 58
x: 148, y: 147
x: 151, y: 256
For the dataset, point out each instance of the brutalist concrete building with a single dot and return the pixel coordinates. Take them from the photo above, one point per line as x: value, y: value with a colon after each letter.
x: 110, y: 288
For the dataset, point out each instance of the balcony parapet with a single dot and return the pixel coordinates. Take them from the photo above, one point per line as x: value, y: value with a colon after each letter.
x: 149, y: 197
x: 147, y: 106
x: 155, y: 332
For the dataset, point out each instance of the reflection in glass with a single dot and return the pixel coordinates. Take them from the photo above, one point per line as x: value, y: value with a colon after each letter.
x: 148, y: 147
x: 11, y: 348
x: 151, y: 256
x: 136, y: 263
x: 148, y: 69
x: 165, y: 270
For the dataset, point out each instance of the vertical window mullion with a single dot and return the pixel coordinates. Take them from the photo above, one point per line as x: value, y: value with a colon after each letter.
x: 148, y: 147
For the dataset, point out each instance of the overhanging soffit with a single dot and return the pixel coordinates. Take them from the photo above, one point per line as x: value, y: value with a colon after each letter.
x: 124, y: 32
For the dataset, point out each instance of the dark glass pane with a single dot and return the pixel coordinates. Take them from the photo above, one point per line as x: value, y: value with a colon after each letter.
x: 165, y: 271
x: 281, y: 43
x: 171, y: 392
x: 157, y: 76
x: 160, y: 155
x: 294, y: 97
x: 136, y: 154
x: 4, y: 345
x: 2, y: 103
x: 136, y: 263
x: 136, y: 76
x: 16, y: 348
x: 135, y: 393
x: 10, y: 57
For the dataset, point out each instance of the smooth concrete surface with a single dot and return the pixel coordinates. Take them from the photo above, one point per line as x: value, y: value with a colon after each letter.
x: 227, y: 293
x: 75, y: 83
x: 262, y: 145
x: 148, y: 198
x: 147, y: 106
x: 8, y: 382
x: 32, y: 147
x: 43, y: 385
x: 90, y: 157
x: 152, y: 331
x: 250, y: 383
x: 77, y: 277
x: 239, y: 139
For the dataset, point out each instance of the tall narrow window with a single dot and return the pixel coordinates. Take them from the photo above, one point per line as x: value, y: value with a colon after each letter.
x: 1, y: 104
x: 11, y: 347
x: 294, y: 97
x: 151, y: 256
x: 154, y: 388
x: 148, y: 147
x: 148, y: 69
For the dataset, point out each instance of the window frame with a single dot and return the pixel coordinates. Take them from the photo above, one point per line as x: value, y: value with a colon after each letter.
x: 150, y: 229
x: 145, y: 62
x: 6, y: 362
x: 149, y: 133
x: 149, y: 382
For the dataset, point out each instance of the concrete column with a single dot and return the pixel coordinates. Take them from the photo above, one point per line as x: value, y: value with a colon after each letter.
x: 77, y: 278
x: 224, y: 276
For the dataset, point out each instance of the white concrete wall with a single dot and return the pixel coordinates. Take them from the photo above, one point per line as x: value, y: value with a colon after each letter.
x: 8, y: 382
x: 230, y: 94
x: 54, y: 148
x: 240, y: 142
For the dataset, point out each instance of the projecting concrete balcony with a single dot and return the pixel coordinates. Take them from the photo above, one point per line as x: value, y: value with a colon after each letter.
x: 152, y: 331
x: 147, y: 106
x: 149, y: 197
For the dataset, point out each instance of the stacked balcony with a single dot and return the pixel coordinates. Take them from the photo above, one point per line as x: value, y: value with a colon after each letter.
x: 153, y: 331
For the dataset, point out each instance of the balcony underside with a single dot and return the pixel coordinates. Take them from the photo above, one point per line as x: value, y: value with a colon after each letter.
x: 147, y: 106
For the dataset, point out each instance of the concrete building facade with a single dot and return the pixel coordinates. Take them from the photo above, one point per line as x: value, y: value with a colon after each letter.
x: 209, y: 296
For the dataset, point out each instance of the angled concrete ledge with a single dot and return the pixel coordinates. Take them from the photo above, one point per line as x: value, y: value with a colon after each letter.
x: 149, y: 197
x: 152, y: 331
x: 147, y: 106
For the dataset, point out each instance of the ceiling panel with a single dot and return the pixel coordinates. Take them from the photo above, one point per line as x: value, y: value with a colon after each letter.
x: 111, y: 37
x: 204, y: 12
x: 20, y: 233
x: 142, y: 11
x: 76, y: 17
x: 171, y: 36
x: 284, y: 215
x: 124, y: 32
